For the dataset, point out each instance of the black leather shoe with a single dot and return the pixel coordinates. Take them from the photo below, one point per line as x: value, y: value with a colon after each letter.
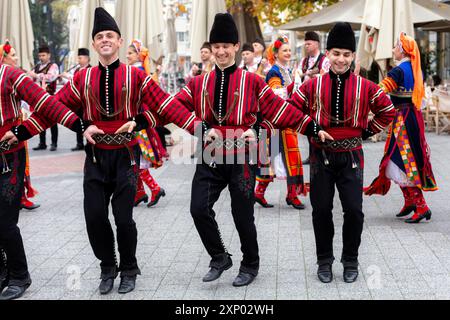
x: 13, y: 292
x: 325, y: 273
x: 53, y: 147
x: 106, y: 286
x: 300, y: 206
x: 306, y: 162
x: 144, y: 199
x: 263, y: 203
x: 160, y: 194
x: 79, y: 147
x: 215, y: 273
x: 406, y: 211
x: 243, y: 279
x: 426, y: 215
x: 127, y: 284
x: 350, y: 274
x: 40, y: 147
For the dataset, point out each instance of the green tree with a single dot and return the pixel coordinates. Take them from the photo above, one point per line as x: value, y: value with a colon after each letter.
x: 278, y: 12
x: 50, y: 25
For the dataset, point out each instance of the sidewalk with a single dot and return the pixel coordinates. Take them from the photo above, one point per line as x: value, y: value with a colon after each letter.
x: 398, y: 261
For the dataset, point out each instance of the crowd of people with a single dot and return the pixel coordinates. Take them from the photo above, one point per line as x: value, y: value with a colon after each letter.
x: 121, y: 111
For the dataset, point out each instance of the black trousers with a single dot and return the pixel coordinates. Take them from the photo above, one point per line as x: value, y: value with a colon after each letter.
x: 340, y: 173
x: 80, y: 140
x: 11, y: 186
x: 207, y: 186
x: 54, y: 132
x: 110, y: 177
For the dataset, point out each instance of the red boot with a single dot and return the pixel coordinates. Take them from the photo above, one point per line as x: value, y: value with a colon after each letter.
x: 422, y: 211
x: 141, y: 196
x: 410, y: 205
x: 27, y: 204
x: 259, y: 194
x: 293, y: 200
x: 157, y: 191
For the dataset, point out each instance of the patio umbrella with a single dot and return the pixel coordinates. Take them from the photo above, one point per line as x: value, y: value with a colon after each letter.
x: 73, y: 23
x: 87, y: 24
x: 202, y: 19
x: 17, y: 27
x: 143, y: 20
x: 352, y: 11
x: 383, y: 22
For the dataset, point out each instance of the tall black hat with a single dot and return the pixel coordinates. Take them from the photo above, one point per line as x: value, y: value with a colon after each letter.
x: 341, y: 37
x: 224, y: 30
x: 83, y: 52
x: 248, y: 47
x: 313, y: 36
x: 261, y: 42
x: 103, y: 21
x: 44, y: 49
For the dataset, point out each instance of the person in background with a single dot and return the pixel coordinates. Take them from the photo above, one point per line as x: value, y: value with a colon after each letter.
x: 45, y: 74
x: 407, y: 154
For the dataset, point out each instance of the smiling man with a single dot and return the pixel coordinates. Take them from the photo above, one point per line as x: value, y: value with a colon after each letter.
x: 340, y: 102
x: 111, y: 97
x: 228, y: 100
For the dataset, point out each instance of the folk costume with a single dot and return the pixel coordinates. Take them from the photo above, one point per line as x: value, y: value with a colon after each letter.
x: 406, y: 159
x: 109, y: 96
x: 47, y: 73
x: 15, y: 87
x: 318, y: 64
x: 150, y: 145
x: 229, y: 100
x: 340, y: 103
x: 287, y: 164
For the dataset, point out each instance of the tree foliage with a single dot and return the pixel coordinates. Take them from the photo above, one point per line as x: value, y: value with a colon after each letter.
x: 278, y: 12
x: 49, y: 19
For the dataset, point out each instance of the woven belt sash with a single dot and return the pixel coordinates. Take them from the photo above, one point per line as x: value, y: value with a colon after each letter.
x: 114, y: 139
x: 348, y: 144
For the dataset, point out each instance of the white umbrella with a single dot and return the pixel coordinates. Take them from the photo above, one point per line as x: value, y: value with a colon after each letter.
x: 74, y: 24
x: 352, y: 11
x: 143, y: 20
x: 383, y: 19
x: 87, y: 24
x: 170, y: 33
x: 16, y: 26
x: 202, y: 19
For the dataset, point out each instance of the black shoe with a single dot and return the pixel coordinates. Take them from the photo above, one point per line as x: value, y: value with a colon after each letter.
x: 406, y: 211
x: 300, y: 206
x: 243, y: 279
x: 3, y: 283
x: 306, y: 162
x: 79, y: 147
x: 53, y: 147
x: 127, y: 284
x: 215, y: 273
x: 29, y: 207
x: 13, y: 292
x: 143, y: 199
x: 40, y: 147
x: 160, y: 194
x: 263, y: 203
x: 426, y: 215
x: 325, y: 273
x: 350, y: 274
x: 106, y: 286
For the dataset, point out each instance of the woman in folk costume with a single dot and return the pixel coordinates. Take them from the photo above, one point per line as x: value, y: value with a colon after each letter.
x: 151, y: 146
x: 8, y: 56
x: 407, y: 155
x: 288, y: 163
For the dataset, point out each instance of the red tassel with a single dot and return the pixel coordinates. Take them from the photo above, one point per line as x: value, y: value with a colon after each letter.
x: 246, y: 172
x: 380, y: 185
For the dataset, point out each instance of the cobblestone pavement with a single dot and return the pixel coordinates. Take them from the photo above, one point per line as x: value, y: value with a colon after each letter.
x: 397, y: 261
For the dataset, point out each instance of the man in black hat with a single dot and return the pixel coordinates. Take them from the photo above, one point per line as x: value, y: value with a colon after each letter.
x: 341, y: 102
x: 228, y: 100
x: 259, y: 48
x: 114, y: 99
x: 45, y: 74
x: 315, y: 63
x: 84, y: 60
x: 248, y: 58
